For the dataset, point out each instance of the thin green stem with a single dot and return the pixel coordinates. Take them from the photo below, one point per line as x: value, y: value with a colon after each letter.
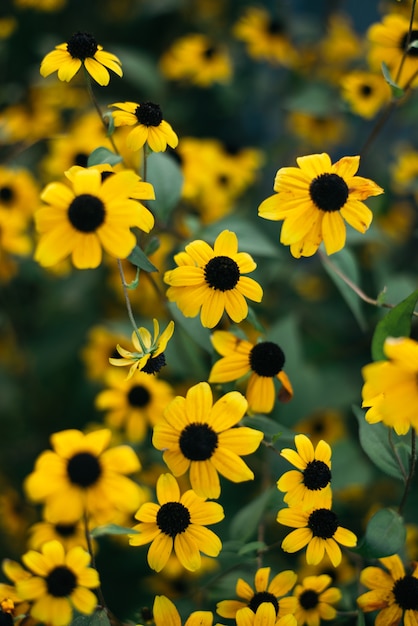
x: 407, y: 42
x: 396, y: 454
x: 98, y: 109
x: 412, y: 463
x: 89, y: 543
x: 129, y: 307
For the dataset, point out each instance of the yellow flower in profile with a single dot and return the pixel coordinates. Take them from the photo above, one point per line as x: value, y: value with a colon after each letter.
x: 310, y: 484
x: 390, y: 389
x: 150, y: 127
x: 81, y: 50
x: 165, y: 613
x: 203, y: 438
x: 317, y: 529
x: 62, y: 582
x: 81, y: 476
x: 393, y: 592
x: 177, y: 523
x: 89, y: 214
x: 365, y: 92
x: 315, y: 598
x: 149, y: 350
x: 315, y: 198
x: 210, y: 280
x: 265, y: 36
x: 265, y: 361
x: 271, y: 591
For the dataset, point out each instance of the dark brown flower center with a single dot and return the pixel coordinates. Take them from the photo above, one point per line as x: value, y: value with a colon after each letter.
x: 61, y: 582
x: 405, y: 591
x: 329, y: 192
x: 86, y: 213
x: 82, y: 46
x: 65, y: 530
x: 139, y: 396
x: 267, y: 359
x: 84, y: 469
x: 308, y: 599
x: 154, y: 364
x: 222, y: 273
x: 316, y: 475
x: 263, y: 596
x: 198, y: 442
x: 6, y: 194
x: 173, y: 518
x: 149, y: 114
x: 366, y: 90
x: 412, y: 51
x: 323, y: 523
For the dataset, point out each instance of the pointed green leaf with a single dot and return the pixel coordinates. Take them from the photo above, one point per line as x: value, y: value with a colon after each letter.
x: 103, y: 155
x: 397, y: 323
x: 139, y: 258
x: 385, y: 535
x: 112, y: 529
x: 165, y: 175
x: 245, y: 522
x: 397, y: 91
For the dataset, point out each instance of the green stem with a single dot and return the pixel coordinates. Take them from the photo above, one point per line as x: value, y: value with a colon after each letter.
x: 98, y: 109
x: 129, y: 307
x: 407, y: 43
x: 396, y: 454
x: 412, y: 463
x: 99, y: 591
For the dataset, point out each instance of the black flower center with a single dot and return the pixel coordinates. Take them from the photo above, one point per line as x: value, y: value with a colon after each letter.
x: 316, y: 475
x: 65, y: 530
x: 81, y: 159
x: 149, y: 114
x: 222, y: 273
x: 6, y: 194
x: 86, y: 213
x: 308, y: 599
x: 84, y: 469
x: 323, y: 523
x: 61, y: 582
x: 405, y: 591
x: 329, y: 192
x: 198, y: 441
x: 209, y: 52
x: 267, y: 359
x: 275, y: 27
x: 82, y: 45
x: 173, y: 518
x: 6, y: 618
x: 366, y: 90
x: 405, y: 41
x: 263, y: 596
x: 154, y: 364
x: 139, y: 396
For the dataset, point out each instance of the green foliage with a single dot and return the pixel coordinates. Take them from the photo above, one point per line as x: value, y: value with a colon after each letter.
x: 397, y: 91
x: 165, y: 175
x: 385, y: 535
x: 140, y: 260
x: 111, y: 529
x: 98, y: 618
x: 397, y: 323
x: 244, y: 524
x: 103, y: 155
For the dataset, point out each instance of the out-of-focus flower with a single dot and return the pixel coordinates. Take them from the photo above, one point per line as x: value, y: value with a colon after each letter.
x: 150, y: 127
x: 100, y: 347
x: 325, y: 424
x: 81, y: 50
x: 365, y: 92
x: 315, y: 129
x: 315, y: 598
x: 315, y: 199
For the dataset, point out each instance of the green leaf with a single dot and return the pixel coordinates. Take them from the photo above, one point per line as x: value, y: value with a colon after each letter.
x: 112, y: 529
x: 397, y: 91
x: 139, y: 258
x: 346, y: 263
x: 385, y: 535
x: 254, y: 321
x: 98, y: 618
x: 245, y: 522
x: 192, y: 327
x: 253, y: 546
x: 103, y: 155
x: 374, y: 439
x: 165, y: 175
x: 110, y: 122
x: 270, y: 428
x: 397, y: 323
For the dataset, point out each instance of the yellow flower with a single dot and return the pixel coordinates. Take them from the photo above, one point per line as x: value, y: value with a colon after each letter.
x: 165, y: 613
x: 315, y: 199
x: 319, y: 530
x: 366, y: 93
x: 81, y: 49
x: 61, y: 583
x: 89, y: 214
x: 390, y: 388
x: 80, y: 476
x: 69, y: 534
x: 264, y: 615
x: 100, y: 347
x: 310, y: 484
x: 177, y: 523
x: 314, y: 600
x: 392, y: 592
x: 150, y: 127
x: 265, y: 361
x: 211, y: 280
x: 272, y: 592
x: 203, y: 438
x: 149, y: 351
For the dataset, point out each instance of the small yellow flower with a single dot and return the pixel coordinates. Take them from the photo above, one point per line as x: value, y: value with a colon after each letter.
x: 150, y: 127
x: 315, y: 598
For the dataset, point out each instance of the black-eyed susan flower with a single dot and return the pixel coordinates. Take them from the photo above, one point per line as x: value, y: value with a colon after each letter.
x: 100, y: 347
x: 266, y: 37
x: 81, y: 475
x: 81, y: 49
x: 315, y: 199
x: 315, y: 599
x: 393, y: 592
x: 319, y: 530
x: 264, y: 362
x: 19, y: 191
x: 134, y: 404
x: 178, y: 522
x: 88, y: 215
x: 365, y: 92
x: 392, y: 42
x: 263, y: 615
x: 202, y: 438
x: 150, y: 127
x: 69, y: 534
x: 210, y: 280
x: 165, y: 613
x: 327, y: 424
x: 149, y: 354
x: 316, y: 129
x: 405, y: 170
x: 310, y: 484
x: 12, y: 607
x: 61, y: 582
x: 390, y: 390
x: 197, y: 59
x: 272, y: 591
